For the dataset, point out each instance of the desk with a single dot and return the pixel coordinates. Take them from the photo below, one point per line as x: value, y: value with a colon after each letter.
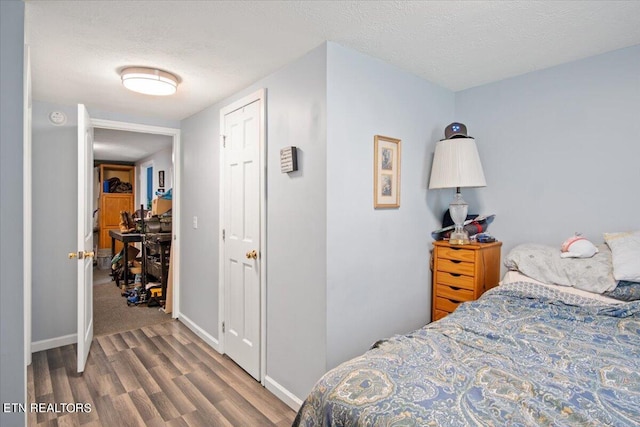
x: 125, y: 238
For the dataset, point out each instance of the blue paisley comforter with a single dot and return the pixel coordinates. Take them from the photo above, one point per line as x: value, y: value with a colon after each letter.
x: 521, y: 355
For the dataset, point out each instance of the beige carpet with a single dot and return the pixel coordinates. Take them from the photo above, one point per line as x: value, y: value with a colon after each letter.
x: 111, y: 314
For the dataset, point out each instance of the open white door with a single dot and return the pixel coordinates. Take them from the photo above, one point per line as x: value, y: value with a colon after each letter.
x: 85, y: 236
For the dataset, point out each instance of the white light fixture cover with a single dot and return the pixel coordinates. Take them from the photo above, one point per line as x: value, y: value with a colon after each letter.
x: 149, y: 81
x: 456, y: 163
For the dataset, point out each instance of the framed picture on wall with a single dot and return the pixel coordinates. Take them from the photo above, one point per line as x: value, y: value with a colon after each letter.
x: 386, y: 172
x: 161, y: 179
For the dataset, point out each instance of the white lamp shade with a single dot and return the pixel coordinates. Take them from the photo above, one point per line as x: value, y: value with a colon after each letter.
x: 456, y: 163
x: 149, y: 81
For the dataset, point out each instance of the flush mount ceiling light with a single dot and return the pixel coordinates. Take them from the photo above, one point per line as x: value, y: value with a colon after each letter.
x: 149, y: 81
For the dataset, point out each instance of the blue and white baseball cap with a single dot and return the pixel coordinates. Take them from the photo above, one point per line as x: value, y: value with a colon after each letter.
x: 455, y: 130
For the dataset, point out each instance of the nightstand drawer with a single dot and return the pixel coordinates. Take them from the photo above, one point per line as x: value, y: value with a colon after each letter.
x: 454, y: 279
x: 439, y: 314
x: 458, y: 267
x: 454, y: 294
x: 457, y: 254
x: 447, y: 305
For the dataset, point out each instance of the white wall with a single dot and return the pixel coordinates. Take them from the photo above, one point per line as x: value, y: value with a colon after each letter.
x: 296, y: 245
x: 560, y: 149
x: 378, y: 280
x: 12, y: 361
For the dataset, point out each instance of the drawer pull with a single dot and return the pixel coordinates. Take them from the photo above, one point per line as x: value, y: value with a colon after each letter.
x: 455, y: 274
x: 454, y: 301
x: 455, y: 261
x: 454, y: 288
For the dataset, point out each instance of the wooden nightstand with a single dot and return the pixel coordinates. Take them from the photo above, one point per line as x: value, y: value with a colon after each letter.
x: 462, y: 273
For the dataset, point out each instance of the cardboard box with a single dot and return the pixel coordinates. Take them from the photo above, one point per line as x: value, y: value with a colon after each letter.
x: 160, y: 206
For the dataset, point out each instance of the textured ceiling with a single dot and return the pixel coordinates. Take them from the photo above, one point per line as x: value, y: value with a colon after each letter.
x: 219, y: 47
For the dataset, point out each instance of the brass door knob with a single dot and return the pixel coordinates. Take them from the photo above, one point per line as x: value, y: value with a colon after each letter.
x: 252, y: 254
x: 81, y: 255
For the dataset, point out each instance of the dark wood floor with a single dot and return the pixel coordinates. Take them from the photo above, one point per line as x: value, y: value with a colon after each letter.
x: 158, y: 375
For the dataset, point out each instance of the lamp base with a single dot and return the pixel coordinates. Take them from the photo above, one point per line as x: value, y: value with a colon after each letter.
x: 459, y: 236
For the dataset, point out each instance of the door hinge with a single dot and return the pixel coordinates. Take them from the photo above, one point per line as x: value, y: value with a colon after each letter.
x: 223, y: 328
x: 224, y: 141
x: 224, y: 234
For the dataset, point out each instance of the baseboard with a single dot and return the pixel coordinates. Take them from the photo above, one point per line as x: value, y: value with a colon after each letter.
x: 53, y: 342
x: 206, y: 337
x: 282, y: 393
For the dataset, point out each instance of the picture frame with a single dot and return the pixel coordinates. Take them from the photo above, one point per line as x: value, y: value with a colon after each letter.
x: 386, y: 172
x: 161, y: 179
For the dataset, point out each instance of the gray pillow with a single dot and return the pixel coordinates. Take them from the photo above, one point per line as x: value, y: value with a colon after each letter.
x: 543, y: 263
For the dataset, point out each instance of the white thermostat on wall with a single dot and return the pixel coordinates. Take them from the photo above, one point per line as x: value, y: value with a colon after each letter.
x: 288, y: 159
x: 58, y: 118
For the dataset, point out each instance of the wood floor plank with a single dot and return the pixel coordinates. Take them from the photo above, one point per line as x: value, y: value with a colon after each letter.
x: 140, y: 372
x: 40, y: 364
x: 125, y: 374
x: 126, y: 412
x: 118, y: 342
x: 107, y: 345
x: 167, y: 365
x: 144, y: 405
x: 32, y: 419
x: 147, y: 358
x: 62, y: 390
x: 181, y: 349
x: 177, y: 360
x: 43, y: 417
x: 206, y: 408
x: 173, y: 392
x: 164, y: 406
x: 54, y: 358
x: 81, y: 394
x: 194, y: 419
x: 130, y: 339
x: 106, y: 411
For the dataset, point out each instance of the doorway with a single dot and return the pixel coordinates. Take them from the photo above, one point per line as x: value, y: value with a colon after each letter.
x: 146, y: 162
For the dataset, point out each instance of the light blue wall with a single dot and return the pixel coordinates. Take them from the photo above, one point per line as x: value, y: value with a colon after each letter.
x: 296, y: 224
x: 54, y: 198
x: 378, y: 278
x: 12, y: 357
x: 560, y: 149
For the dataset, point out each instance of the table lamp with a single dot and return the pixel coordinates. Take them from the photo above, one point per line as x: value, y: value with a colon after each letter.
x: 456, y: 164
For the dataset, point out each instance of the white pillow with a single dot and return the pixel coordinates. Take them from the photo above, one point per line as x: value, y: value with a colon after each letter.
x: 625, y: 251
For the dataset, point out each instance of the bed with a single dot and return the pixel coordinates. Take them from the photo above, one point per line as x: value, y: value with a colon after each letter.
x: 525, y: 353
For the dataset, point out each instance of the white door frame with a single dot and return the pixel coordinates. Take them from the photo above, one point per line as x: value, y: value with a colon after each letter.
x: 260, y: 96
x: 175, y: 244
x: 27, y: 205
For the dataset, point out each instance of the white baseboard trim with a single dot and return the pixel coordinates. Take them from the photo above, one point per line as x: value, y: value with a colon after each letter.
x: 53, y: 342
x: 206, y: 337
x: 282, y: 393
